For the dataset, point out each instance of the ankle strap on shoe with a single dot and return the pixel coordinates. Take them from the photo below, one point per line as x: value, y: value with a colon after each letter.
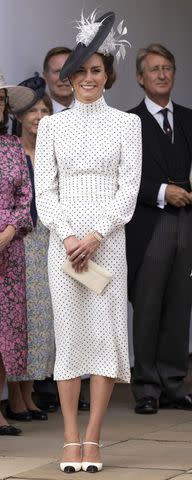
x: 72, y: 445
x: 93, y: 443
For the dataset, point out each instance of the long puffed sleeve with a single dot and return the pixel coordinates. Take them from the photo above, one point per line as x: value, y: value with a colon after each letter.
x: 16, y: 192
x: 47, y: 184
x: 120, y: 210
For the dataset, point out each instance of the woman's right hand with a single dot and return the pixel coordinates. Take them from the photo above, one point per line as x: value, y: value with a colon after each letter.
x: 6, y: 236
x: 71, y: 244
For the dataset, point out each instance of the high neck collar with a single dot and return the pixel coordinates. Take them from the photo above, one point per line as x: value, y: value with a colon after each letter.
x: 90, y: 108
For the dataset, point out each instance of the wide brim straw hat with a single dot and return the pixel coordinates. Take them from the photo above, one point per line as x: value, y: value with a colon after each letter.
x: 20, y: 97
x: 82, y: 52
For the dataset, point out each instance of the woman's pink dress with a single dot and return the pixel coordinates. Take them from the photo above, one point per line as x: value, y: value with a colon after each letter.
x: 15, y: 198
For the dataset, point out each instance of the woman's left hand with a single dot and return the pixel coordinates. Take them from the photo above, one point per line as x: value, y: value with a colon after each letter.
x: 79, y: 256
x: 6, y: 236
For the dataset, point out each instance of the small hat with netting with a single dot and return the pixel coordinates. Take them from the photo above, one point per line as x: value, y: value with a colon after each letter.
x: 37, y: 84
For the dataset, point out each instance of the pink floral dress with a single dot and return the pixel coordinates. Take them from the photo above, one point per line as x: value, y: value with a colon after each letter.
x: 15, y: 198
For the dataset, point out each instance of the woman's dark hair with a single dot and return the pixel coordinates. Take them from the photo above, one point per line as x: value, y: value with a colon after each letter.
x: 48, y: 103
x: 109, y: 69
x: 3, y: 124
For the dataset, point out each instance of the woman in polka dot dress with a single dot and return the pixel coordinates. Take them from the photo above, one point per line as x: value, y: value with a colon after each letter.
x: 88, y: 165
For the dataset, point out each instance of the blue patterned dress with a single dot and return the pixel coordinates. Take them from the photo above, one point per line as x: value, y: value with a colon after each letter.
x: 41, y: 349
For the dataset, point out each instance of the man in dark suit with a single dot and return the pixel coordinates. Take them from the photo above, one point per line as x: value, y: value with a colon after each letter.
x: 159, y: 241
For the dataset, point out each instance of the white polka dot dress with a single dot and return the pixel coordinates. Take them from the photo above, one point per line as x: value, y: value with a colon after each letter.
x: 87, y: 175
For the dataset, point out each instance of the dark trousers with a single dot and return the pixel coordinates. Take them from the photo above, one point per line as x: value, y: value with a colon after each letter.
x: 162, y: 306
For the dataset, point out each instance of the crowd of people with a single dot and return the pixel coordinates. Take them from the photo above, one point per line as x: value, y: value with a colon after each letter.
x: 109, y: 189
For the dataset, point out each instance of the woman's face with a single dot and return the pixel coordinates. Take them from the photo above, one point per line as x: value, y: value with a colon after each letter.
x: 89, y: 81
x: 30, y: 119
x: 2, y: 103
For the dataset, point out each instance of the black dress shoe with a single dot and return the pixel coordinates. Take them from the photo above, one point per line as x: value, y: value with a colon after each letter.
x: 83, y: 406
x: 146, y: 406
x: 46, y: 395
x: 19, y: 416
x: 38, y: 415
x: 184, y: 403
x: 47, y: 406
x: 10, y: 430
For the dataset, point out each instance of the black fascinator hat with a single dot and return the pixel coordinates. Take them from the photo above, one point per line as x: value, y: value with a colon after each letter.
x: 82, y: 52
x: 38, y: 85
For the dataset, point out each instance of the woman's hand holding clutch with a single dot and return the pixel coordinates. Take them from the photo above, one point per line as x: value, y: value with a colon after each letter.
x: 70, y: 243
x: 79, y: 251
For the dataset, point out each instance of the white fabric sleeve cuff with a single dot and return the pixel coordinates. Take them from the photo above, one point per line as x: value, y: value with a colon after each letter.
x: 161, y: 202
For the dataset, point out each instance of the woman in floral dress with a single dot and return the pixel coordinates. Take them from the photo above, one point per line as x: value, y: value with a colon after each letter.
x: 15, y: 223
x: 41, y: 348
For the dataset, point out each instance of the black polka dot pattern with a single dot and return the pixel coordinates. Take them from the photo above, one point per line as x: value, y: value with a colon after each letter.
x: 87, y: 175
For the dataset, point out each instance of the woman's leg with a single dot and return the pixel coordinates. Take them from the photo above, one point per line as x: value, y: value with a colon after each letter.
x: 100, y: 393
x: 16, y: 402
x: 2, y: 381
x: 26, y: 390
x: 69, y: 391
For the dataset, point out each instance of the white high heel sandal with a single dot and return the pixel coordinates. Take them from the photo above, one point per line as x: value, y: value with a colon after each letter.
x: 71, y: 467
x: 92, y: 467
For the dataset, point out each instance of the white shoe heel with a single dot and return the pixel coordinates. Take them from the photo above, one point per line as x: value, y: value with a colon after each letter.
x: 92, y: 467
x: 71, y: 467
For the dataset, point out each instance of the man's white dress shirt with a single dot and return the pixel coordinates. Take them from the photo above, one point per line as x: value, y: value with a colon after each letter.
x: 58, y: 107
x: 154, y: 109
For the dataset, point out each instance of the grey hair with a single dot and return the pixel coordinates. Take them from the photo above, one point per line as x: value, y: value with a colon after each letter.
x: 156, y: 48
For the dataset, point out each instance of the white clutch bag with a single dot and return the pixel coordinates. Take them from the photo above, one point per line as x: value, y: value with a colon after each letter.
x: 96, y: 278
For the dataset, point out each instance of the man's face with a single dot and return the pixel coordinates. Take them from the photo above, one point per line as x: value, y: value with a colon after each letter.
x: 157, y: 77
x: 59, y: 91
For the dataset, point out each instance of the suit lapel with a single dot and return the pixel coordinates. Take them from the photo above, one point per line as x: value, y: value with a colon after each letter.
x: 184, y: 127
x: 149, y: 127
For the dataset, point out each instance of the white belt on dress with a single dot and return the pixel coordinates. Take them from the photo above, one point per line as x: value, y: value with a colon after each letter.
x: 87, y: 187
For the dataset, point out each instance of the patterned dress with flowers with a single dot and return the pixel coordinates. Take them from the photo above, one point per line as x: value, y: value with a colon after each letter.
x: 41, y: 345
x: 15, y: 198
